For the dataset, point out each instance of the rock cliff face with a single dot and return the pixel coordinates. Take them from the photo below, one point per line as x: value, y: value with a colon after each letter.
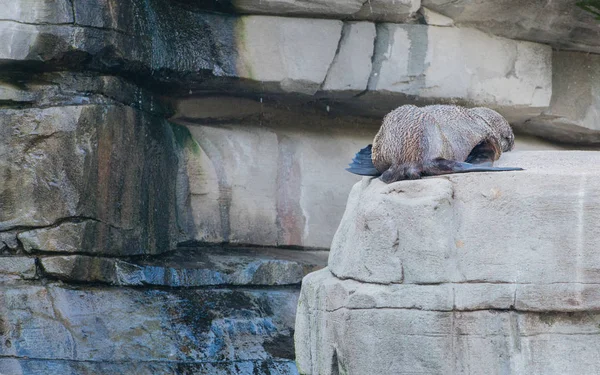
x: 136, y: 136
x: 482, y: 273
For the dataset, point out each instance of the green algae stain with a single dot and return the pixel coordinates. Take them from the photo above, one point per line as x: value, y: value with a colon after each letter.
x: 244, y: 62
x: 184, y: 139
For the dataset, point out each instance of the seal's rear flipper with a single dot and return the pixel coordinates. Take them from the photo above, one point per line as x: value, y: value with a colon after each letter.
x: 362, y: 163
x: 442, y: 166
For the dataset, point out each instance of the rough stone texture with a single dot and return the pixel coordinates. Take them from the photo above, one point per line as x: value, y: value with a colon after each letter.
x: 464, y: 64
x: 374, y: 10
x: 322, y: 8
x: 350, y: 327
x: 102, y: 330
x: 22, y: 267
x: 191, y: 268
x: 550, y: 213
x: 35, y: 11
x: 293, y: 53
x: 574, y: 113
x: 559, y: 23
x: 258, y: 176
x: 266, y: 54
x: 399, y: 11
x: 475, y: 273
x: 88, y: 178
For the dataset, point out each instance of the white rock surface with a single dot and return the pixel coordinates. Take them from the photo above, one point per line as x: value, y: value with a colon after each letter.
x: 343, y: 326
x: 260, y: 177
x: 574, y: 113
x: 435, y: 19
x: 480, y: 273
x: 294, y: 53
x: 462, y: 63
x: 538, y: 225
x: 36, y: 11
x: 351, y: 66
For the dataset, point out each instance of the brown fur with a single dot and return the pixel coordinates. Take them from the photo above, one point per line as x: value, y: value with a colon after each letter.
x: 413, y: 140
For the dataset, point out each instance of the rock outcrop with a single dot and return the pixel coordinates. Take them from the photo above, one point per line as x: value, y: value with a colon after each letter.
x: 136, y: 135
x: 473, y: 273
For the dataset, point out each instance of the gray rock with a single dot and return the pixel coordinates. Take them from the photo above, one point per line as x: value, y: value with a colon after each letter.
x: 37, y: 11
x: 23, y: 267
x: 423, y: 231
x: 322, y: 8
x: 32, y: 366
x: 351, y: 67
x: 472, y: 273
x: 398, y: 11
x: 442, y: 63
x: 282, y: 195
x: 559, y: 23
x: 191, y: 268
x: 289, y: 54
x: 103, y: 330
x: 89, y: 178
x: 359, y: 328
x: 573, y: 116
x: 8, y: 240
x: 435, y: 19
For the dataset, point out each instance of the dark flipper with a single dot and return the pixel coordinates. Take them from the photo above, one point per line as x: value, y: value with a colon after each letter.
x: 437, y: 167
x: 362, y: 163
x: 442, y: 166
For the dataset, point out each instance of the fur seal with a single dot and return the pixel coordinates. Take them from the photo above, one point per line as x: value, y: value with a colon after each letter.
x: 435, y: 140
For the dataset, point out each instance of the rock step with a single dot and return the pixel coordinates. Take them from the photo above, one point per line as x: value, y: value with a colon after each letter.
x: 191, y: 267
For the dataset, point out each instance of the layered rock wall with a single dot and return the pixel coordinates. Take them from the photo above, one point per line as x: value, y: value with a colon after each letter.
x: 129, y: 129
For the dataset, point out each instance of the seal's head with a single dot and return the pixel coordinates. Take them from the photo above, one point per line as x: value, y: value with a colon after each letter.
x: 499, y: 126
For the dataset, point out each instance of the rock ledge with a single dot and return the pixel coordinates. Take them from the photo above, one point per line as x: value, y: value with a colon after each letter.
x: 473, y: 273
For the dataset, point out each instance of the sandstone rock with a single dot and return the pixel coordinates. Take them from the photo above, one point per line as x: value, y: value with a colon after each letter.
x: 102, y: 330
x: 447, y: 63
x: 351, y: 67
x: 191, y: 268
x: 257, y: 179
x: 322, y: 8
x: 398, y: 11
x: 426, y: 231
x: 471, y: 273
x: 89, y: 178
x: 435, y: 19
x: 355, y: 327
x: 292, y: 53
x: 559, y: 23
x: 573, y: 116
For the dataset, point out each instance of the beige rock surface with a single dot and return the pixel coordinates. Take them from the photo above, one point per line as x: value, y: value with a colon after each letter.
x: 469, y: 273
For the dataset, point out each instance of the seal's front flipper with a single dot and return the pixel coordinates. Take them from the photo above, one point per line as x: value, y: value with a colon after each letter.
x: 362, y: 164
x: 442, y: 166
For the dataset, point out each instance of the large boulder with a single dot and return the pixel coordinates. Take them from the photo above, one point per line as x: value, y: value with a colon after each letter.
x: 480, y: 272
